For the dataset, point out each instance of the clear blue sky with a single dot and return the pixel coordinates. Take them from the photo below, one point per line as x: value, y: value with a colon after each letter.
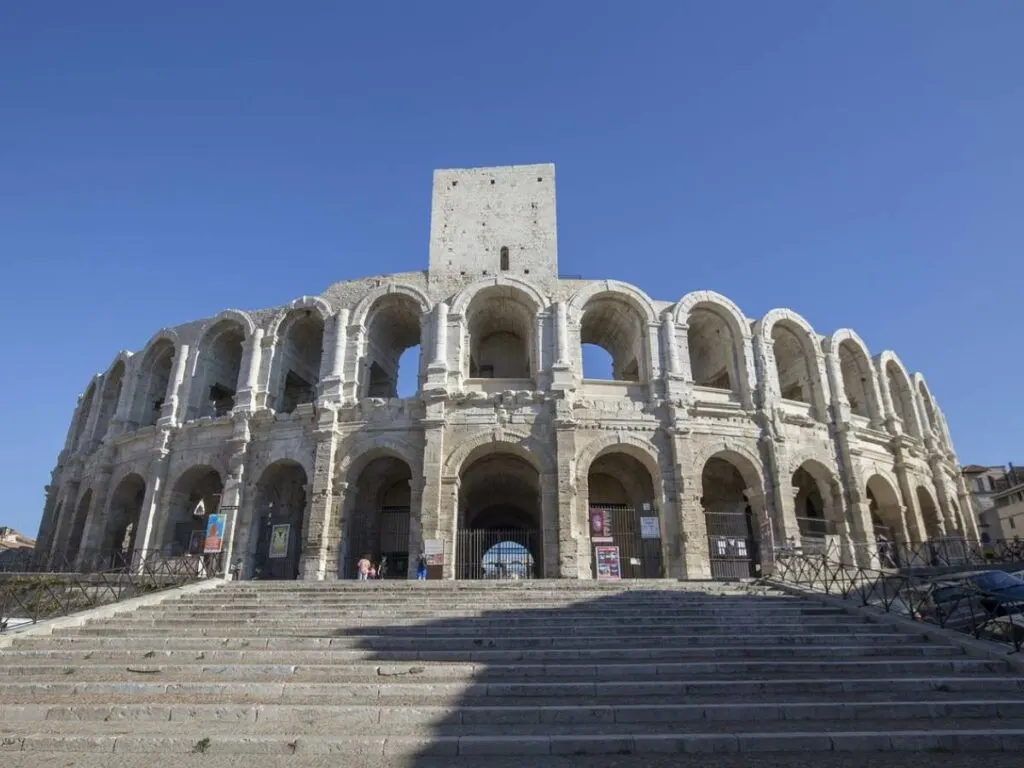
x: 859, y: 162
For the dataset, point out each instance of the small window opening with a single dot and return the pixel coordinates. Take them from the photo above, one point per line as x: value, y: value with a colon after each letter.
x: 504, y: 258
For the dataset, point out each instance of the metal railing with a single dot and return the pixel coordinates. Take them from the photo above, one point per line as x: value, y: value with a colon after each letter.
x: 946, y: 601
x: 46, y: 591
x: 945, y: 552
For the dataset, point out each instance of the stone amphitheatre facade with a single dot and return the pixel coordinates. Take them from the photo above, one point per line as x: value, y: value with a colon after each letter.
x: 715, y: 436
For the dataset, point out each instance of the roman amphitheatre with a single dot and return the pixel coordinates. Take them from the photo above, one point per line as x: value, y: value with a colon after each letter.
x: 713, y: 439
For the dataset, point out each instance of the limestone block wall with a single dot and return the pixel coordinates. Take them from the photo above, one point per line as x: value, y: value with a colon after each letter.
x: 711, y: 414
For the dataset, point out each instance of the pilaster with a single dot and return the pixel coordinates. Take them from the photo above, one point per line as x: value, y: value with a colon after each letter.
x: 323, y: 501
x: 573, y: 543
x: 245, y: 400
x: 692, y: 560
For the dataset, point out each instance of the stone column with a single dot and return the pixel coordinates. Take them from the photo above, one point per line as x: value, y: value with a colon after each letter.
x: 690, y: 555
x: 231, y: 497
x: 64, y: 521
x: 766, y: 545
x: 913, y: 519
x: 317, y: 527
x: 245, y: 400
x: 668, y: 328
x: 352, y: 387
x: 431, y: 492
x: 173, y: 410
x: 892, y: 423
x: 447, y: 524
x: 437, y: 370
x: 415, y: 524
x: 863, y: 533
x: 540, y: 374
x: 549, y: 509
x: 562, y: 336
x: 146, y: 541
x: 949, y: 522
x: 573, y: 543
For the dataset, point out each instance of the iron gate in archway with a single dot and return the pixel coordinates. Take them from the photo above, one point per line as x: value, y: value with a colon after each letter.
x: 501, y: 555
x: 732, y: 547
x: 639, y: 557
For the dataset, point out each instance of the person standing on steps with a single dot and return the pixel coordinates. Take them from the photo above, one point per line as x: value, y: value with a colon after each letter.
x: 421, y: 569
x: 363, y: 568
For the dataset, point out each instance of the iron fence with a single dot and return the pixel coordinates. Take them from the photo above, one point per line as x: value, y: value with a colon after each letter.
x: 945, y: 552
x: 499, y: 555
x: 385, y: 543
x: 732, y: 547
x: 27, y: 597
x: 950, y: 602
x: 639, y: 557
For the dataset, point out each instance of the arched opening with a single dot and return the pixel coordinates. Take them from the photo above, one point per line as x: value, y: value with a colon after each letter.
x: 500, y: 321
x: 109, y: 398
x: 298, y: 359
x: 218, y: 370
x: 154, y: 377
x: 791, y: 364
x: 195, y: 496
x: 280, y: 508
x: 929, y: 408
x: 74, y: 541
x: 712, y: 350
x: 498, y: 519
x: 856, y: 372
x: 890, y: 534
x: 393, y: 362
x: 817, y: 517
x: 83, y: 416
x: 624, y: 514
x: 930, y: 515
x: 611, y: 323
x: 122, y: 528
x: 378, y: 521
x: 901, y: 397
x: 730, y: 520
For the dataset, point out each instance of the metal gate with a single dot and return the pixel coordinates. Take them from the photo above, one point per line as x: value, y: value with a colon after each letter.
x: 497, y: 554
x: 732, y: 547
x: 387, y: 545
x: 639, y: 558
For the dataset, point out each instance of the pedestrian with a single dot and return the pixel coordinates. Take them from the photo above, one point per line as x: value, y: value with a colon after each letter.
x: 363, y: 567
x: 421, y: 569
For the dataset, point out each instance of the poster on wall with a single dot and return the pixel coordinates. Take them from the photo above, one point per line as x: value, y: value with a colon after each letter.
x: 649, y: 528
x: 279, y: 540
x: 608, y: 567
x: 600, y: 523
x: 195, y: 543
x: 214, y: 534
x: 433, y: 551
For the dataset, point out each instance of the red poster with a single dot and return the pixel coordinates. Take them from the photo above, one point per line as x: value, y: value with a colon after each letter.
x: 600, y: 523
x: 608, y: 567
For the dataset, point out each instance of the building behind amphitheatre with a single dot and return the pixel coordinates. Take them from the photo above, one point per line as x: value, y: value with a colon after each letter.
x: 713, y: 438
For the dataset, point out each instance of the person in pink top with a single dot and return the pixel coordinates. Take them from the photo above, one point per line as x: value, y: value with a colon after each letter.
x: 363, y: 567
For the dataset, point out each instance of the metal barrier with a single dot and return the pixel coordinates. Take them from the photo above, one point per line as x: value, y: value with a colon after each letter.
x: 950, y: 603
x: 46, y: 592
x: 499, y: 555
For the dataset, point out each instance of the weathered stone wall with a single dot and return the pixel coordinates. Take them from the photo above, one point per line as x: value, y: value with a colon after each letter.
x: 695, y: 381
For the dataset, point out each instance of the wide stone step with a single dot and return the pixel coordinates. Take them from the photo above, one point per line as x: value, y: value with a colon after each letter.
x: 329, y: 717
x: 450, y: 693
x: 362, y: 748
x: 448, y: 612
x: 43, y: 652
x: 344, y: 673
x: 243, y: 640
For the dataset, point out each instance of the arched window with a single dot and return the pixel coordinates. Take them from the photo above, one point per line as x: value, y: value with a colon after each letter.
x: 504, y: 258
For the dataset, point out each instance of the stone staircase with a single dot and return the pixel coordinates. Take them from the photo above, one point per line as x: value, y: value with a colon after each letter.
x: 407, y: 671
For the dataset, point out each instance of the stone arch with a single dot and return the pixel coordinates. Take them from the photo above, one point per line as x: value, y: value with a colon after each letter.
x: 501, y: 338
x: 745, y: 458
x: 73, y: 549
x: 817, y: 501
x: 282, y: 453
x: 928, y: 408
x: 705, y: 315
x: 930, y: 514
x: 363, y: 452
x: 887, y: 511
x: 281, y: 498
x: 152, y: 377
x: 378, y: 504
x: 857, y: 379
x: 394, y: 323
x: 731, y: 499
x: 218, y: 372
x: 622, y: 481
x: 121, y: 529
x: 792, y: 352
x: 85, y: 407
x: 298, y: 334
x: 194, y: 495
x: 362, y: 309
x: 110, y: 393
x: 520, y: 444
x: 894, y: 377
x: 616, y: 317
x: 312, y: 303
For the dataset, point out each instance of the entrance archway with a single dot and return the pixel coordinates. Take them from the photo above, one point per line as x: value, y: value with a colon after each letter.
x: 277, y: 521
x: 196, y: 495
x: 930, y: 515
x: 732, y: 542
x: 122, y: 527
x: 377, y: 525
x: 498, y: 519
x: 620, y: 493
